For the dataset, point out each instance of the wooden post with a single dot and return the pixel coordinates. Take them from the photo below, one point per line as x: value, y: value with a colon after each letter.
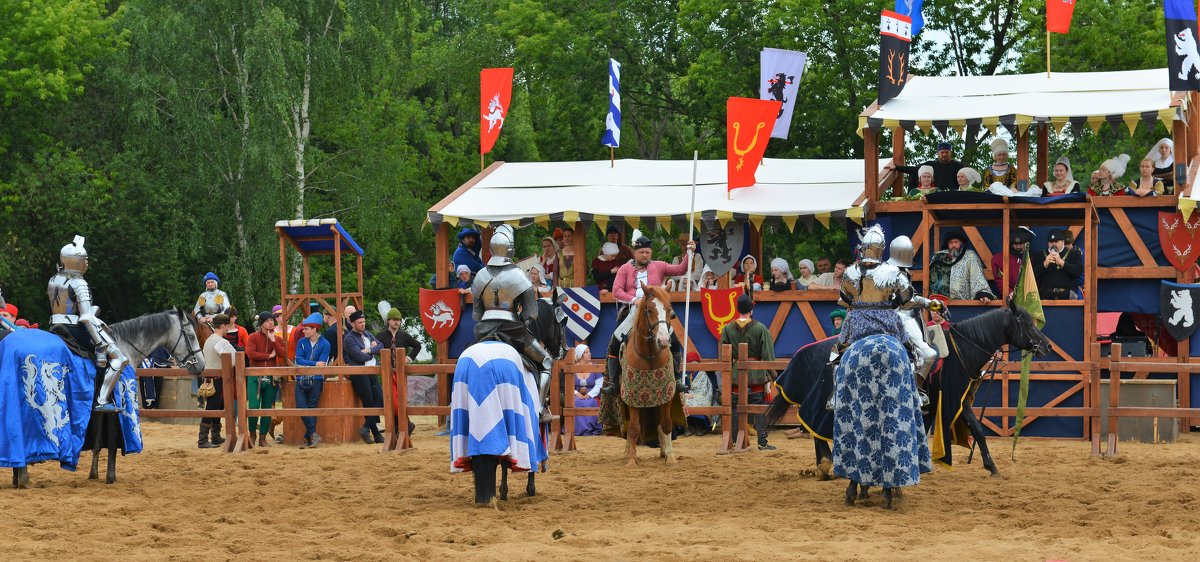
x: 361, y: 303
x: 389, y: 406
x: 743, y: 378
x: 341, y: 300
x: 898, y: 160
x: 871, y: 169
x: 485, y: 243
x: 228, y: 393
x: 1023, y: 155
x: 1114, y: 399
x: 755, y: 250
x: 555, y: 406
x: 243, y: 442
x: 1179, y: 136
x: 569, y: 394
x: 726, y: 397
x: 1004, y: 274
x: 404, y: 443
x: 283, y: 291
x: 1043, y: 154
x: 442, y: 255
x: 1091, y: 398
x: 579, y: 245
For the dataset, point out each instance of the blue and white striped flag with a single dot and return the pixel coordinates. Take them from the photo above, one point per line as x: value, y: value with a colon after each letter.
x: 912, y: 9
x: 612, y: 125
x: 581, y: 305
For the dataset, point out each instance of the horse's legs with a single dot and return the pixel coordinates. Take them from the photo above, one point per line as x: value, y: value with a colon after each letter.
x: 851, y: 490
x: 824, y: 459
x: 95, y: 473
x: 503, y: 481
x: 863, y: 490
x: 530, y: 489
x: 632, y: 434
x: 666, y: 448
x: 887, y: 498
x: 483, y: 467
x: 21, y: 478
x: 976, y: 429
x: 111, y: 476
x: 98, y: 421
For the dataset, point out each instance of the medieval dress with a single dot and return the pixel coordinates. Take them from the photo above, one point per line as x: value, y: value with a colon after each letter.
x: 961, y: 278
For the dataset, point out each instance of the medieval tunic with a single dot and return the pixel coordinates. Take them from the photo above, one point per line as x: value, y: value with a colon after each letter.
x: 760, y: 346
x: 212, y: 302
x: 1008, y: 178
x: 961, y: 278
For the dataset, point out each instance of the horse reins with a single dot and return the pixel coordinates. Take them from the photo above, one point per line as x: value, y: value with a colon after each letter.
x: 187, y: 359
x: 644, y: 312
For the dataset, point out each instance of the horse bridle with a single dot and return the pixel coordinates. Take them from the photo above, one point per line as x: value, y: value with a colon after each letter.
x: 188, y: 359
x: 650, y: 327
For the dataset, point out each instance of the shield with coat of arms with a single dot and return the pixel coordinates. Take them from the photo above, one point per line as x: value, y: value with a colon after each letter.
x: 440, y: 311
x: 1179, y: 307
x: 719, y: 307
x: 581, y: 306
x: 1180, y: 239
x: 721, y: 246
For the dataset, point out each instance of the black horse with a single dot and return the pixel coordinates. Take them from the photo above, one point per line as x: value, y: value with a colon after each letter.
x: 808, y: 383
x: 548, y: 329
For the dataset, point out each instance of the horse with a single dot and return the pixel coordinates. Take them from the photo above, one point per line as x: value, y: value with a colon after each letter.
x: 136, y: 338
x: 808, y: 383
x: 648, y: 377
x: 483, y: 368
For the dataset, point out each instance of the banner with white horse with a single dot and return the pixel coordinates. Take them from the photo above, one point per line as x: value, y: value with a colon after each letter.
x: 46, y: 396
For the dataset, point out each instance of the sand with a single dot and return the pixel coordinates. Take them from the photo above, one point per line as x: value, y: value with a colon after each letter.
x: 175, y: 502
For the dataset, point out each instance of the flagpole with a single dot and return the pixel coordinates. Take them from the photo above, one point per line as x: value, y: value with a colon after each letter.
x: 1047, y: 51
x: 612, y: 157
x: 687, y: 299
x: 480, y: 161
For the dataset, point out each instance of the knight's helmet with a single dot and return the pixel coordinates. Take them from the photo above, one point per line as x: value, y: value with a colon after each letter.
x: 871, y: 245
x: 74, y: 257
x: 502, y: 245
x: 901, y: 252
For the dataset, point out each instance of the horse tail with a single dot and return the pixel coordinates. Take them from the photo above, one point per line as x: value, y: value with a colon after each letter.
x: 779, y: 407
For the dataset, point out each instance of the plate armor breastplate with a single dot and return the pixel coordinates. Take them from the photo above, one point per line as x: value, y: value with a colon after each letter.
x: 498, y: 290
x: 68, y: 295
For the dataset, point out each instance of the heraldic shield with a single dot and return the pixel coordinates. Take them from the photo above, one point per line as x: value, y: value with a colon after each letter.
x: 719, y: 307
x: 440, y: 312
x: 721, y: 246
x: 1179, y: 306
x: 1180, y: 239
x: 581, y: 306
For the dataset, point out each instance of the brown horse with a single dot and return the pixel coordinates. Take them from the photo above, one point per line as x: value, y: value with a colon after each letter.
x: 648, y: 376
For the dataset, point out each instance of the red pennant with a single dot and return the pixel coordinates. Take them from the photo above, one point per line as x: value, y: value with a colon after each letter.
x: 495, y: 93
x: 749, y: 126
x: 440, y: 312
x: 1058, y: 15
x: 719, y: 307
x: 1180, y: 239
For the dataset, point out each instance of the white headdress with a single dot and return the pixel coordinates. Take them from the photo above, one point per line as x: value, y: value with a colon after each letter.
x: 1117, y: 165
x: 1159, y: 161
x: 999, y: 146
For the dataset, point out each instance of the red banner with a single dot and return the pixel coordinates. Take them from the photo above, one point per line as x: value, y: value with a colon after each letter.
x: 495, y: 93
x: 440, y: 311
x: 1058, y: 15
x: 720, y: 308
x: 1180, y: 239
x: 749, y: 126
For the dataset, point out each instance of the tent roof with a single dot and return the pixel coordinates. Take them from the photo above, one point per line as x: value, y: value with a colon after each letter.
x: 654, y: 191
x: 315, y: 236
x: 1015, y: 101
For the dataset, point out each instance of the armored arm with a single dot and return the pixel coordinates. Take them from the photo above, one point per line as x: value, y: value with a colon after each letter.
x: 529, y: 308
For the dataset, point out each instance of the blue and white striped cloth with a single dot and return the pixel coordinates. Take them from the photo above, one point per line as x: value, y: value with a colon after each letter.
x: 612, y: 124
x: 494, y: 409
x: 581, y: 306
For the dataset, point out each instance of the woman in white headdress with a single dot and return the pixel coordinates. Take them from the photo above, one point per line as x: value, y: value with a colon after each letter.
x: 1105, y: 181
x: 968, y: 180
x: 587, y: 392
x: 1064, y: 181
x: 708, y: 279
x: 1001, y: 171
x: 925, y: 184
x: 781, y: 275
x: 807, y: 274
x: 537, y: 276
x: 1163, y: 157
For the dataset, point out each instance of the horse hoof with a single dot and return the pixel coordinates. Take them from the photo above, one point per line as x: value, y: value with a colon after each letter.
x: 862, y: 493
x: 631, y: 464
x: 490, y: 503
x: 850, y: 489
x: 887, y: 498
x: 824, y: 469
x: 671, y: 460
x: 995, y: 474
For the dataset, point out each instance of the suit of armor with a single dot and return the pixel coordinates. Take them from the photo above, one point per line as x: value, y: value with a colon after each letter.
x: 504, y: 300
x: 911, y: 305
x: 71, y: 307
x: 211, y: 302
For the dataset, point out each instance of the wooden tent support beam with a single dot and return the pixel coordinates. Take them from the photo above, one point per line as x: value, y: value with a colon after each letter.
x: 1023, y: 155
x: 897, y: 183
x: 1043, y: 153
x: 871, y: 169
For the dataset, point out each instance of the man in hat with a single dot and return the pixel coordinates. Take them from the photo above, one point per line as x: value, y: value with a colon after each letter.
x: 1069, y: 245
x: 1057, y: 270
x: 957, y: 272
x: 945, y: 170
x: 394, y: 337
x: 627, y: 290
x: 361, y: 349
x: 264, y: 348
x: 311, y: 351
x: 1019, y: 240
x: 212, y: 300
x: 215, y: 346
x: 467, y: 252
x: 837, y: 317
x: 761, y: 347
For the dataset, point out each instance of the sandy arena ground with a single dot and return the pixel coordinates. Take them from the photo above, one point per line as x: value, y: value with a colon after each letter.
x: 175, y: 502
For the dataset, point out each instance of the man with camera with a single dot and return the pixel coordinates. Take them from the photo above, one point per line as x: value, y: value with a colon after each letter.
x: 1057, y: 269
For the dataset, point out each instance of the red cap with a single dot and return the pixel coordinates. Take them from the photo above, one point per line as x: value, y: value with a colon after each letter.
x: 11, y: 309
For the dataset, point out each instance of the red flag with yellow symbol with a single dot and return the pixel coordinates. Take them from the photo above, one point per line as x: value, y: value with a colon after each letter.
x: 495, y: 93
x: 719, y: 307
x: 749, y: 125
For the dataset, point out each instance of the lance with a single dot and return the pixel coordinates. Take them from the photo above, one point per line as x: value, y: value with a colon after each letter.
x: 687, y: 299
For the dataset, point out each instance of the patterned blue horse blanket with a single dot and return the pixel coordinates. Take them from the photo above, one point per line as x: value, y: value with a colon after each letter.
x: 878, y: 434
x: 46, y: 395
x: 494, y: 409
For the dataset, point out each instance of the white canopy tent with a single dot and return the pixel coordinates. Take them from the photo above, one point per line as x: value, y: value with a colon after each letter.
x: 654, y: 191
x: 1016, y: 101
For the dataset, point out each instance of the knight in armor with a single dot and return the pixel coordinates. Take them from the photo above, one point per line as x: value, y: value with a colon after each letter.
x: 504, y: 300
x: 212, y: 301
x: 74, y: 318
x: 901, y: 253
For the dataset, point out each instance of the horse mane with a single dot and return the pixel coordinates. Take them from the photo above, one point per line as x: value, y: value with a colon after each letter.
x: 152, y: 323
x: 986, y: 330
